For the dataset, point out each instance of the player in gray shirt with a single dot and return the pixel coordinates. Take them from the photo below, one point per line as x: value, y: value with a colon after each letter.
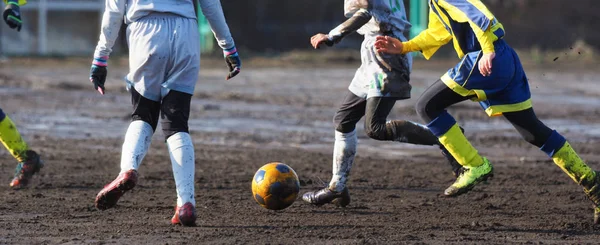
x: 164, y: 61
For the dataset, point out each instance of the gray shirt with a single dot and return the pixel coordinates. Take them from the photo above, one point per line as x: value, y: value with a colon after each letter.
x: 118, y: 11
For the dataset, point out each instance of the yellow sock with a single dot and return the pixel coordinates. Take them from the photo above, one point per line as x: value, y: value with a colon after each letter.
x: 10, y: 137
x: 457, y: 144
x: 568, y: 160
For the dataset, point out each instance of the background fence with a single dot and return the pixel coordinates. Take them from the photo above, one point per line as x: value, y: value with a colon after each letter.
x: 71, y: 27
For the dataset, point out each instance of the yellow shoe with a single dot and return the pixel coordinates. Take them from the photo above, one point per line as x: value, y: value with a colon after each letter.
x: 469, y: 178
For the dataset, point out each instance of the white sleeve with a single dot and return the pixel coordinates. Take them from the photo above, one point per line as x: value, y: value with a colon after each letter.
x: 213, y: 12
x: 112, y: 20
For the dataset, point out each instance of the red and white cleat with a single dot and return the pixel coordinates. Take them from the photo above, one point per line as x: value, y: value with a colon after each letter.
x: 185, y: 215
x: 109, y: 196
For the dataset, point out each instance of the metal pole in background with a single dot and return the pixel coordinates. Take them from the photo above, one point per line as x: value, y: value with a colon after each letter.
x: 42, y: 27
x: 418, y: 16
x: 2, y: 56
x: 206, y: 36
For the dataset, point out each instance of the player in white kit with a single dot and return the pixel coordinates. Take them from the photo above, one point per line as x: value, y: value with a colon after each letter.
x: 378, y: 83
x: 164, y: 61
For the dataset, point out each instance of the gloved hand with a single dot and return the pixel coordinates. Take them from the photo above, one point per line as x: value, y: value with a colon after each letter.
x: 12, y: 15
x: 98, y: 73
x: 233, y: 62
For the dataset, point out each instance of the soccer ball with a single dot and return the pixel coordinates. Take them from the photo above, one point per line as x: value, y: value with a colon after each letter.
x: 275, y: 186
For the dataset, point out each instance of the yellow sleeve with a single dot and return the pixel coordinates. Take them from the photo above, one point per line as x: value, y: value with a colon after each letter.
x: 477, y: 15
x: 429, y: 40
x: 20, y: 2
x: 486, y: 40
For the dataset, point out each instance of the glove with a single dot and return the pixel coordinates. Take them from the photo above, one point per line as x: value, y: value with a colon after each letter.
x: 98, y: 73
x: 12, y: 15
x: 233, y: 62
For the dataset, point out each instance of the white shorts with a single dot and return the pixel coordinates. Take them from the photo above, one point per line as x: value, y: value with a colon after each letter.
x: 381, y: 75
x: 164, y: 54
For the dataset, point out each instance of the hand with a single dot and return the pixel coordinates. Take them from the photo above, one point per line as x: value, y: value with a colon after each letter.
x: 485, y: 64
x: 390, y: 45
x: 12, y: 16
x: 233, y: 61
x: 98, y: 77
x: 319, y: 39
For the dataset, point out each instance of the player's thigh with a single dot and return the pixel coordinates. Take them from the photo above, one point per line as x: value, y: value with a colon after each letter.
x: 349, y: 113
x: 435, y: 100
x: 377, y: 111
x: 175, y: 112
x: 144, y: 109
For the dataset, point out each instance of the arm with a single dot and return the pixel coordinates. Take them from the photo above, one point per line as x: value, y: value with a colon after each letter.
x: 429, y: 40
x: 12, y: 13
x: 479, y: 18
x: 111, y: 24
x: 213, y: 12
x: 481, y: 21
x: 358, y: 19
x: 112, y: 20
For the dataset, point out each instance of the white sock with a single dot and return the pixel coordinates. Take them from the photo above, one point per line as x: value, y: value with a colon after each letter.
x: 344, y: 150
x: 136, y: 144
x: 181, y: 150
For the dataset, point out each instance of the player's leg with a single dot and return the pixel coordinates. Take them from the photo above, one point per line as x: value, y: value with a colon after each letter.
x: 344, y: 150
x: 431, y: 107
x: 147, y: 62
x: 561, y: 152
x: 377, y: 127
x: 29, y: 161
x: 175, y: 112
x: 138, y: 137
x: 182, y: 76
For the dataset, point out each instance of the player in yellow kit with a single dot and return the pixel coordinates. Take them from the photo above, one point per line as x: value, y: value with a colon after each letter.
x: 491, y: 73
x: 29, y: 161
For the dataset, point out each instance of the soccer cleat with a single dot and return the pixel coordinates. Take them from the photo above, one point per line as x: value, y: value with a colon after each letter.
x: 110, y: 194
x: 592, y: 191
x: 457, y: 169
x: 185, y: 215
x: 326, y: 195
x: 25, y: 170
x: 469, y: 178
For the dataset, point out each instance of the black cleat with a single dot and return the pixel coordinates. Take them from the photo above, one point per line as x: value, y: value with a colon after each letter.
x: 323, y: 196
x: 592, y: 191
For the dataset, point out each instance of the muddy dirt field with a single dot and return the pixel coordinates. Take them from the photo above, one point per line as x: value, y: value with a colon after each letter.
x: 284, y: 114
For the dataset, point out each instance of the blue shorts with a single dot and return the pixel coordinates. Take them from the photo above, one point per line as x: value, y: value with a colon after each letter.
x: 505, y: 90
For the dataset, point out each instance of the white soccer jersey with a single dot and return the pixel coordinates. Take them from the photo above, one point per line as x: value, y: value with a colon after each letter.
x: 388, y: 16
x: 129, y: 11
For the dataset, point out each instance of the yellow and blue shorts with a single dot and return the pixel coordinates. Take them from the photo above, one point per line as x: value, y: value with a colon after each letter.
x: 505, y: 90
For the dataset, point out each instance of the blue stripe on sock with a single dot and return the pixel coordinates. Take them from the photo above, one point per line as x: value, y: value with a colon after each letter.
x: 441, y: 124
x: 553, y: 144
x: 2, y: 115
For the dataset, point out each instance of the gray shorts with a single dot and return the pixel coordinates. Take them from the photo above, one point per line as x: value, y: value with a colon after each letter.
x: 381, y: 75
x: 164, y: 55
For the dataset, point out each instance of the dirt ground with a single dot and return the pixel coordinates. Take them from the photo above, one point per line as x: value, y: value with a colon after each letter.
x: 284, y: 114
